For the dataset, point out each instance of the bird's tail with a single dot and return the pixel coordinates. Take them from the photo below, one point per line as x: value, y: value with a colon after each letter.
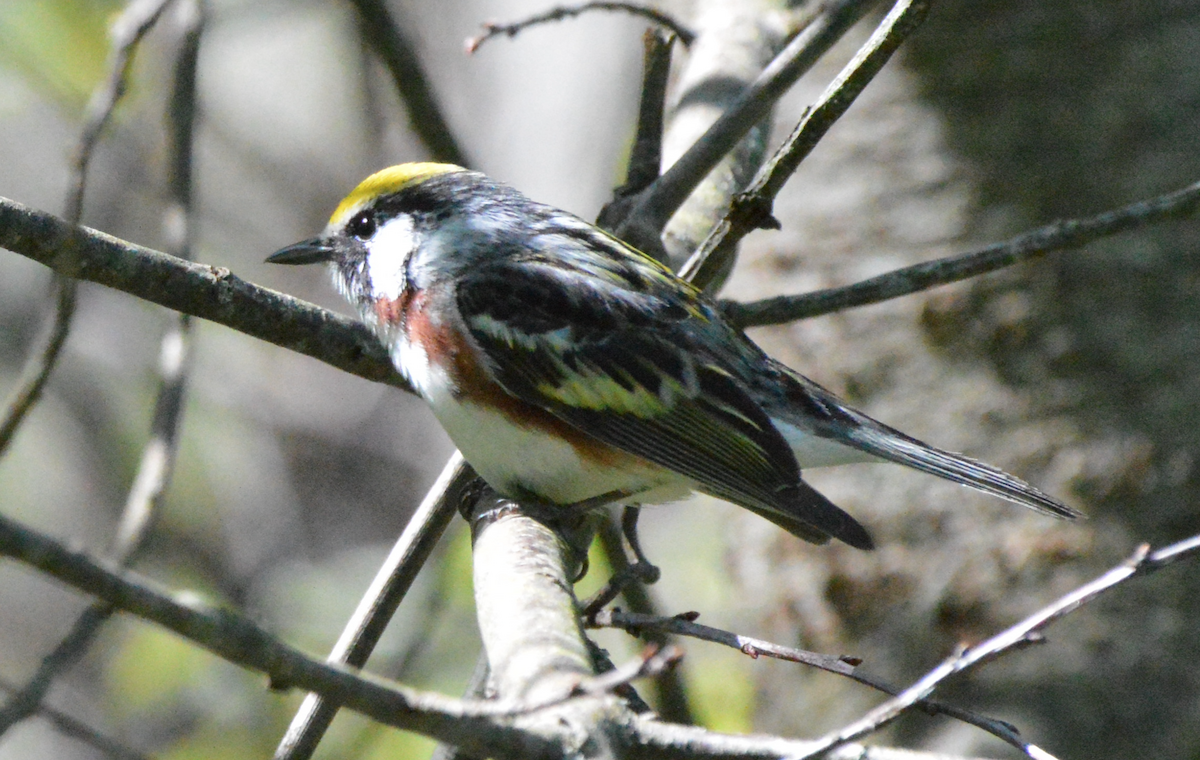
x: 819, y: 415
x: 888, y: 443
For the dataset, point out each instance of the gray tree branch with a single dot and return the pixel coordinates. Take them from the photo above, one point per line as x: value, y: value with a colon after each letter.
x: 380, y: 601
x: 203, y: 291
x: 380, y: 30
x: 752, y: 209
x: 559, y: 13
x: 1061, y: 235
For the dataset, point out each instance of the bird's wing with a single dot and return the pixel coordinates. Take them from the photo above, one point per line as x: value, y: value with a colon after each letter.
x: 617, y: 347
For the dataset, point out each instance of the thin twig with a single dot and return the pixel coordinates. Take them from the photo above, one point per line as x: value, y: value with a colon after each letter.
x: 652, y: 662
x: 645, y: 626
x: 1142, y: 562
x: 158, y: 458
x: 492, y: 29
x: 68, y: 725
x: 1056, y: 236
x: 685, y: 625
x: 377, y: 606
x: 657, y: 203
x: 624, y: 691
x: 127, y: 31
x: 672, y: 699
x: 380, y: 30
x: 752, y: 209
x: 645, y: 158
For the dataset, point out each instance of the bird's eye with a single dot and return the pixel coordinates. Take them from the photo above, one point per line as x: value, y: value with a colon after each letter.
x: 361, y: 225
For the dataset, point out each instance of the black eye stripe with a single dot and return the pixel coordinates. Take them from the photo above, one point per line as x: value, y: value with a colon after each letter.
x: 362, y: 225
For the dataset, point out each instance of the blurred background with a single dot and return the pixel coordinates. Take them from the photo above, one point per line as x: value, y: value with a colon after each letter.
x: 1078, y: 372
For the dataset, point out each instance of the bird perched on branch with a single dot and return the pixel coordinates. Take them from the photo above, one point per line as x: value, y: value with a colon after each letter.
x: 571, y: 369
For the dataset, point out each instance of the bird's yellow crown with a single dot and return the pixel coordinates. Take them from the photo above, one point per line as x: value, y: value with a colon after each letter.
x: 389, y: 180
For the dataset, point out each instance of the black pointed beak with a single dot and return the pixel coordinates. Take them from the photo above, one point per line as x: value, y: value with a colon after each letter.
x: 311, y: 251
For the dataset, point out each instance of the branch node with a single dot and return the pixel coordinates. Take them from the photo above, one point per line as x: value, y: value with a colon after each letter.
x: 1138, y: 558
x: 753, y: 212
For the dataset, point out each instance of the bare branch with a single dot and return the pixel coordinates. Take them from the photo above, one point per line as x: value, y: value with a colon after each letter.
x: 1142, y: 562
x: 380, y: 30
x: 377, y: 606
x: 486, y: 728
x: 752, y: 209
x: 158, y: 457
x: 684, y: 625
x: 660, y: 201
x: 653, y: 662
x: 77, y: 729
x: 672, y: 699
x: 127, y: 31
x: 526, y: 610
x: 491, y: 29
x: 1060, y: 235
x: 645, y: 158
x: 208, y: 292
x: 666, y: 741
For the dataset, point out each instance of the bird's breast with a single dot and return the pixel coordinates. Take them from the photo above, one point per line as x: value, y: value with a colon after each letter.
x: 518, y: 447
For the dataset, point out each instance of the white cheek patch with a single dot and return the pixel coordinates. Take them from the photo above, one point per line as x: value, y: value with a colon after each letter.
x: 387, y: 256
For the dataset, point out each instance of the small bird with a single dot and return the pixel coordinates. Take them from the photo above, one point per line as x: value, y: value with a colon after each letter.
x: 573, y: 370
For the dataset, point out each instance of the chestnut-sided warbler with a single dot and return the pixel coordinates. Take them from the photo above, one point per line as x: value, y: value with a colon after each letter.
x: 571, y: 369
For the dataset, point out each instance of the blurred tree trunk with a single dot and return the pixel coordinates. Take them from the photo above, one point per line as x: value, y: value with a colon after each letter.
x: 1079, y: 373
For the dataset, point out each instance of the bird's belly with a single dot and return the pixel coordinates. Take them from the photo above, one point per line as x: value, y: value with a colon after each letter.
x: 520, y: 460
x: 814, y: 451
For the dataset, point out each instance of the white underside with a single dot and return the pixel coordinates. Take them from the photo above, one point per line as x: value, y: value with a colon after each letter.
x: 814, y: 451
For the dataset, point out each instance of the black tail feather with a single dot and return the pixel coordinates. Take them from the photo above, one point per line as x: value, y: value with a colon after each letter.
x: 805, y: 513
